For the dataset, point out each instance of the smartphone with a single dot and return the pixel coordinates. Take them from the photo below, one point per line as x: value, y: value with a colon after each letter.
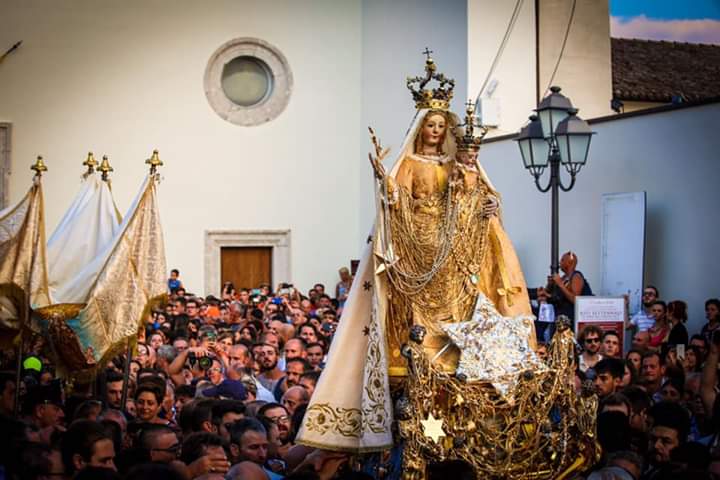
x: 680, y: 349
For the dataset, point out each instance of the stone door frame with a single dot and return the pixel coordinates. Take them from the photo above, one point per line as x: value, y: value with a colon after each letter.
x: 279, y: 240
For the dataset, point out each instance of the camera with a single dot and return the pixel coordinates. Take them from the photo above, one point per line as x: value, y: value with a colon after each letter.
x: 203, y: 362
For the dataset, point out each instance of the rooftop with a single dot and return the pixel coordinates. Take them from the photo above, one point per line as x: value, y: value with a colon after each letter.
x: 656, y: 71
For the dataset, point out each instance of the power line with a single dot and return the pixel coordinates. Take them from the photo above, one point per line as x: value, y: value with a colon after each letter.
x: 503, y: 43
x: 562, y: 48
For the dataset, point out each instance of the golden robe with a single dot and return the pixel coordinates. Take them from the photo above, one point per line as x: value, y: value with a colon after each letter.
x: 445, y: 252
x: 351, y: 409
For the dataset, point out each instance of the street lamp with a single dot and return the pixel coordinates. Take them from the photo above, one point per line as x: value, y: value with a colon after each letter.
x: 555, y: 136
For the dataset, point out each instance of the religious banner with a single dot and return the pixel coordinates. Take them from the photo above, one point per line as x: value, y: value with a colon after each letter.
x: 608, y: 313
x: 105, y: 303
x: 23, y: 271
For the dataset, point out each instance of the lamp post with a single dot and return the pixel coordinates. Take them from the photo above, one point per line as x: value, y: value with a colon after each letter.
x: 555, y: 136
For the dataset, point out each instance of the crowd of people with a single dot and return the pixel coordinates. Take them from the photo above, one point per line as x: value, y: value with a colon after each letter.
x: 218, y: 387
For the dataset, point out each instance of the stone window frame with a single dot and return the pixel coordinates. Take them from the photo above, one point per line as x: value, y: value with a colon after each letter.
x: 282, y: 82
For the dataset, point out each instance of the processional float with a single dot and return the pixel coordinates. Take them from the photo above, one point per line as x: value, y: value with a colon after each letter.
x: 434, y: 357
x: 89, y: 288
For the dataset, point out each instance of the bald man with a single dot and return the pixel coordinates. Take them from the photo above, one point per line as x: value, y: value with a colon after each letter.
x: 572, y: 284
x: 294, y: 397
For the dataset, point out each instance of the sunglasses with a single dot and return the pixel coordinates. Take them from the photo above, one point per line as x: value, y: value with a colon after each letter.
x: 171, y: 449
x: 592, y: 340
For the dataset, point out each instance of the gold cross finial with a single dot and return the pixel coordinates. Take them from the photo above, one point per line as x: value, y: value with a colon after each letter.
x: 154, y: 162
x: 90, y: 163
x: 427, y: 53
x: 39, y: 166
x: 470, y: 107
x: 105, y: 168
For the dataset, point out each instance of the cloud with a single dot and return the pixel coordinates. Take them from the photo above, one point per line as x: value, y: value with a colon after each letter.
x: 693, y: 31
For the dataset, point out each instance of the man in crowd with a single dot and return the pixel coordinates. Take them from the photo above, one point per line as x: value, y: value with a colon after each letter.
x: 608, y: 376
x: 113, y: 389
x: 653, y: 373
x: 248, y: 442
x: 295, y: 348
x: 270, y: 374
x: 294, y: 397
x: 295, y: 369
x: 43, y: 405
x: 641, y: 341
x: 309, y: 380
x: 670, y: 428
x: 590, y: 341
x: 86, y: 444
x: 315, y: 355
x: 160, y: 442
x: 643, y: 320
x: 279, y: 415
x: 611, y: 345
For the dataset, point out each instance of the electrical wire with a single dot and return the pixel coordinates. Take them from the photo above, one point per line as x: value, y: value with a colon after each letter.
x: 503, y: 43
x: 564, y: 43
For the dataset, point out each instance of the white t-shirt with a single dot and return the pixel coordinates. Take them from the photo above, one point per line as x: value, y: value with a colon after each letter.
x: 642, y: 321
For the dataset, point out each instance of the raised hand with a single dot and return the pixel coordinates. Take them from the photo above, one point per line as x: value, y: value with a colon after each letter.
x: 380, y: 154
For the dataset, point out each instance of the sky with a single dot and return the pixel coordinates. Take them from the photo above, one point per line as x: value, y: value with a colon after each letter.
x: 694, y: 21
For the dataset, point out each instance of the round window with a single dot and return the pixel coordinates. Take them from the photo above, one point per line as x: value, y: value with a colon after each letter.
x: 246, y: 81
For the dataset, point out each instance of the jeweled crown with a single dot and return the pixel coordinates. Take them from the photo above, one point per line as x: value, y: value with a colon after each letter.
x: 436, y: 98
x: 465, y: 133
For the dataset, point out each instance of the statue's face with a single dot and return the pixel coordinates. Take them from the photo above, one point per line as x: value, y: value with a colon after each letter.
x: 467, y: 157
x: 433, y: 130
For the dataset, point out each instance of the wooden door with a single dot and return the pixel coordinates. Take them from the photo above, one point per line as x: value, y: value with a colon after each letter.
x: 246, y: 267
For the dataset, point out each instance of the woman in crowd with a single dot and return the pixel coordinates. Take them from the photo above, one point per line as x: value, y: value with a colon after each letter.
x: 660, y: 331
x: 148, y: 400
x: 692, y: 362
x: 677, y: 316
x: 712, y: 314
x: 635, y: 358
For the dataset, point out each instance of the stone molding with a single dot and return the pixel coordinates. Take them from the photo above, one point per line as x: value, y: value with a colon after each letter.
x: 279, y: 240
x: 281, y: 82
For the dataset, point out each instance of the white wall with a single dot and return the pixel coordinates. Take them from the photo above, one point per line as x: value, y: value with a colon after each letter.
x: 394, y: 35
x: 584, y: 71
x: 125, y: 77
x: 515, y: 72
x: 670, y: 155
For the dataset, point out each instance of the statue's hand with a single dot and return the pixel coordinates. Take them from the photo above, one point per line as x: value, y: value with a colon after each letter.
x: 377, y: 165
x: 380, y: 154
x: 491, y: 206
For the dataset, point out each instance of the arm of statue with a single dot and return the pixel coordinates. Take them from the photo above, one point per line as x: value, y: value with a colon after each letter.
x: 491, y: 206
x: 380, y: 154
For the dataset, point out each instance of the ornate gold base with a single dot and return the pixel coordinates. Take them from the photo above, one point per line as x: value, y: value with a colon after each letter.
x: 541, y: 430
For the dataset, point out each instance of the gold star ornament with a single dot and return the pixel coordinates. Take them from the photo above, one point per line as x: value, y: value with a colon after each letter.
x: 432, y: 428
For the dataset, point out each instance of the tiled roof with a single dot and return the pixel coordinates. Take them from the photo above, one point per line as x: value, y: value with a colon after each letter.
x: 655, y: 71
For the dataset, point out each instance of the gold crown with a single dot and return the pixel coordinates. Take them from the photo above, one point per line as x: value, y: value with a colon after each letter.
x: 465, y: 133
x: 436, y: 98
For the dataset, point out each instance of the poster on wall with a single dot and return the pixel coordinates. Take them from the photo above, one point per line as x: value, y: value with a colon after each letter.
x: 608, y: 313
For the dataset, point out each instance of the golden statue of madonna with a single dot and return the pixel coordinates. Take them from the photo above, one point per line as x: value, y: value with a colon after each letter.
x: 439, y: 239
x: 437, y: 250
x: 439, y: 302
